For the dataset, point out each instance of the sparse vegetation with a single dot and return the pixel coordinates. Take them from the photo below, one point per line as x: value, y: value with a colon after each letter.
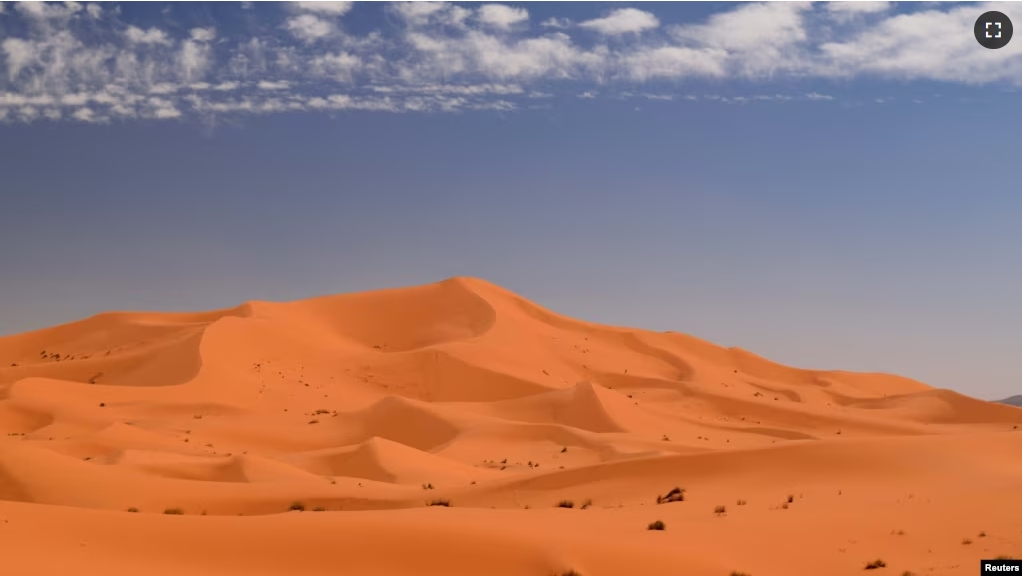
x: 878, y: 563
x: 319, y: 509
x: 737, y: 573
x: 791, y: 498
x: 428, y: 486
x: 587, y: 503
x: 675, y: 495
x: 966, y: 542
x: 314, y: 421
x: 982, y: 534
x: 132, y: 509
x: 720, y: 510
x: 570, y: 573
x: 565, y: 504
x: 658, y: 525
x: 174, y: 511
x: 742, y: 502
x: 297, y: 506
x: 440, y: 502
x: 563, y: 450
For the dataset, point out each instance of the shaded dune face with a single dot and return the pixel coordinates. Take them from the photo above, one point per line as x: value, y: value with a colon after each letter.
x: 463, y: 392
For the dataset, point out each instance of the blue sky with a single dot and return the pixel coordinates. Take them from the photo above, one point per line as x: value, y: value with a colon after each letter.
x: 827, y: 185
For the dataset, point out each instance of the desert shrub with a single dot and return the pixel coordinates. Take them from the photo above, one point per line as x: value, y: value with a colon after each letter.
x: 675, y: 495
x: 658, y: 525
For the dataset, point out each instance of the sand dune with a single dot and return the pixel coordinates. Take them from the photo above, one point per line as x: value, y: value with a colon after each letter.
x: 370, y: 406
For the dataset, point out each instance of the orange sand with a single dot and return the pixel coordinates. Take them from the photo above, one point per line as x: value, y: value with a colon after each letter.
x: 353, y: 403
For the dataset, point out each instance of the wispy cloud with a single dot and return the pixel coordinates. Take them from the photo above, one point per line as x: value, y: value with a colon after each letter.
x: 84, y: 62
x: 623, y: 21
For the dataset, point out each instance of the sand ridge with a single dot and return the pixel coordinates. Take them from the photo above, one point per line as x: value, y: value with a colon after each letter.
x: 370, y: 407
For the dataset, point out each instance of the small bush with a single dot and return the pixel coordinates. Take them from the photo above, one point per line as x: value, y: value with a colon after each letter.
x: 720, y: 510
x: 565, y: 504
x: 587, y: 503
x: 737, y: 573
x: 174, y: 511
x: 966, y: 542
x: 982, y: 534
x: 790, y: 498
x: 878, y: 563
x: 675, y: 495
x: 440, y: 502
x: 319, y: 509
x: 132, y: 509
x: 297, y: 507
x: 658, y: 525
x: 742, y: 502
x: 427, y: 486
x: 570, y: 573
x: 563, y: 450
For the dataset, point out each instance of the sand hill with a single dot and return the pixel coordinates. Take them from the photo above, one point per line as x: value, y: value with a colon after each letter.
x: 310, y: 438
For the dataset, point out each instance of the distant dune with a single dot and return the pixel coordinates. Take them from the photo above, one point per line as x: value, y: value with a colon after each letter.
x: 1012, y: 400
x: 310, y: 437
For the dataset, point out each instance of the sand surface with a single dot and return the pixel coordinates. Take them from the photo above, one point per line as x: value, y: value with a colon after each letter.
x: 365, y: 408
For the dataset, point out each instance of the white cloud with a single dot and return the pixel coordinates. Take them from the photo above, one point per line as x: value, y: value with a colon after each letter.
x: 588, y: 95
x: 193, y: 60
x: 309, y: 28
x: 556, y: 23
x: 418, y: 14
x: 671, y: 62
x: 84, y: 115
x: 278, y: 85
x: 94, y: 10
x: 501, y: 16
x: 19, y: 55
x: 150, y: 36
x: 335, y: 8
x: 47, y: 10
x: 758, y: 39
x: 818, y: 96
x: 203, y: 34
x: 860, y: 7
x: 341, y: 66
x: 623, y: 21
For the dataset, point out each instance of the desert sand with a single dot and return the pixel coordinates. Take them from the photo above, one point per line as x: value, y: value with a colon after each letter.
x: 312, y: 437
